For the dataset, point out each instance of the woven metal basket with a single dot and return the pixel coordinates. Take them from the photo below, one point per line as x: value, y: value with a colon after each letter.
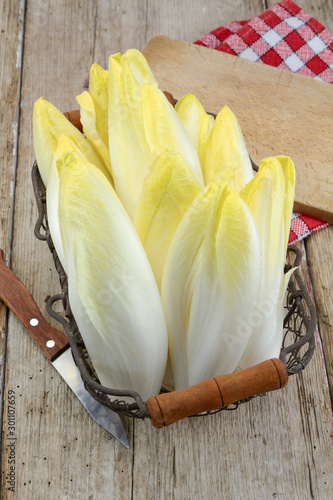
x: 298, y: 340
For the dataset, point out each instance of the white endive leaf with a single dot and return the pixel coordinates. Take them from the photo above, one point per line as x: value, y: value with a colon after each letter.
x: 226, y: 148
x: 48, y: 125
x: 90, y: 128
x: 99, y: 91
x: 112, y: 290
x: 164, y: 130
x: 266, y: 323
x: 197, y: 123
x: 289, y: 173
x: 135, y: 72
x: 137, y: 67
x: 206, y: 124
x: 265, y: 196
x: 210, y: 284
x: 167, y: 192
x: 130, y: 155
x: 270, y: 198
x: 65, y: 144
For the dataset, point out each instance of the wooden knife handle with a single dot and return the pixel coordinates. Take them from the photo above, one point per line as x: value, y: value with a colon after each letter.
x: 15, y: 295
x: 217, y: 392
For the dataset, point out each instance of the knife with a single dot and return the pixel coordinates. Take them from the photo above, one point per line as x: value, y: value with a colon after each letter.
x: 55, y: 346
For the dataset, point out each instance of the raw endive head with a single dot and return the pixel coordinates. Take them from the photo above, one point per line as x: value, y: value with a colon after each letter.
x: 167, y: 192
x: 142, y: 126
x: 226, y: 148
x: 210, y: 281
x: 270, y: 197
x: 135, y: 73
x: 164, y: 130
x: 99, y: 91
x: 94, y: 112
x: 289, y: 173
x: 92, y: 128
x: 135, y: 66
x: 112, y: 290
x: 130, y: 155
x: 65, y: 145
x: 48, y: 125
x: 197, y: 123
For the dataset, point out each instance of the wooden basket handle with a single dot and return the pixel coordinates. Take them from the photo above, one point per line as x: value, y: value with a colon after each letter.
x: 217, y: 392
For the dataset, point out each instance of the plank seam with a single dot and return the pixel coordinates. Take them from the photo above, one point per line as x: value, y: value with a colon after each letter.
x: 325, y: 354
x: 132, y: 475
x: 11, y: 229
x: 11, y: 224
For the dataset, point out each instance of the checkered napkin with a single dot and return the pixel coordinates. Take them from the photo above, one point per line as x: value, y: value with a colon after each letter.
x: 288, y: 38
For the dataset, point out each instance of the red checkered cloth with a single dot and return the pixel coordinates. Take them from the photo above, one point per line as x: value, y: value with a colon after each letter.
x: 288, y: 38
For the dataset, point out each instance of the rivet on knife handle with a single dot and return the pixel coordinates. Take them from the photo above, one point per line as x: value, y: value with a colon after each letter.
x: 15, y: 295
x: 217, y: 392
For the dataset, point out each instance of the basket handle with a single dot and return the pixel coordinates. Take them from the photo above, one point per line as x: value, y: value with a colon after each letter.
x: 217, y: 392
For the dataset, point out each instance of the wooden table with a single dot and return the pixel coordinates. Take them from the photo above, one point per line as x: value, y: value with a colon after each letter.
x: 275, y: 447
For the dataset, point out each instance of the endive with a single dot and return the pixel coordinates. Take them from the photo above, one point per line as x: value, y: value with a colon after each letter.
x: 99, y: 91
x: 129, y: 152
x: 270, y: 197
x: 112, y: 290
x: 167, y: 192
x: 48, y: 125
x: 65, y: 145
x: 211, y: 282
x: 164, y: 130
x: 94, y: 113
x: 197, y: 123
x: 226, y: 148
x: 142, y: 126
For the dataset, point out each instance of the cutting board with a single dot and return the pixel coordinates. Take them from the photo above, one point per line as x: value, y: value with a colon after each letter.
x: 280, y: 113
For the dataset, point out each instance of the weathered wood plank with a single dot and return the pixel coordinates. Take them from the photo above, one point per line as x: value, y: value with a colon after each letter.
x: 118, y: 26
x: 319, y: 254
x: 319, y: 245
x: 11, y: 38
x: 53, y: 429
x: 189, y: 20
x: 279, y: 446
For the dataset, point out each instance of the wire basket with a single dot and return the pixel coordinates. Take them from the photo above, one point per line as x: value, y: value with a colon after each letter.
x: 298, y: 340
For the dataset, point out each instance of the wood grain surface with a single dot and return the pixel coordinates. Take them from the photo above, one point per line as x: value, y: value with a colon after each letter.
x: 319, y: 254
x: 11, y: 36
x: 279, y: 446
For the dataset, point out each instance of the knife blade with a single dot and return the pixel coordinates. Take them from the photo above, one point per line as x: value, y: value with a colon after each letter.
x: 55, y: 346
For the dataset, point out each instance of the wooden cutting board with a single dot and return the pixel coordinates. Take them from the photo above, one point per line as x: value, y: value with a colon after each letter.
x: 280, y: 113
